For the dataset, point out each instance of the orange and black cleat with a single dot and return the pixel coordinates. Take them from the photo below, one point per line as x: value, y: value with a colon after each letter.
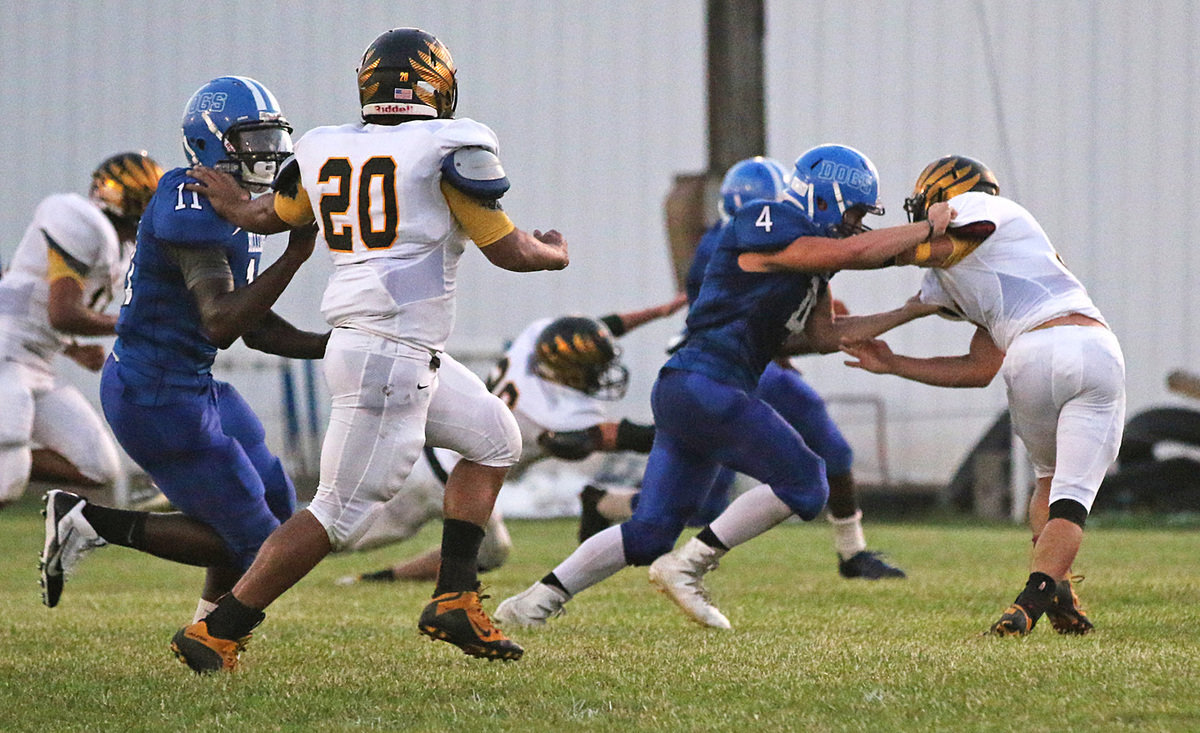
x: 459, y: 619
x: 196, y: 648
x: 1065, y: 614
x: 1015, y: 621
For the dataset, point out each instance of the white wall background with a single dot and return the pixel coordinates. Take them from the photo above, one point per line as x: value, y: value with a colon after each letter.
x: 1087, y: 112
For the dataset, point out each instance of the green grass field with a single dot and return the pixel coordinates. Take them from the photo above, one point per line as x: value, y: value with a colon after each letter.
x: 809, y: 651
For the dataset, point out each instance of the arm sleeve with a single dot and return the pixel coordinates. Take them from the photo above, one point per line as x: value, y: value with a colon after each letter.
x: 484, y: 224
x: 198, y: 265
x: 59, y: 264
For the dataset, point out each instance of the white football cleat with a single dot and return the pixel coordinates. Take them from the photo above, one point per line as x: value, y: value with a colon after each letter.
x: 68, y: 538
x: 680, y: 575
x: 532, y: 606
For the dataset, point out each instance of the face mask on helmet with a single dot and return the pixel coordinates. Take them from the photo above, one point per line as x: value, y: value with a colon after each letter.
x: 830, y: 180
x: 233, y: 123
x: 749, y: 180
x: 580, y: 353
x: 123, y: 184
x: 945, y: 178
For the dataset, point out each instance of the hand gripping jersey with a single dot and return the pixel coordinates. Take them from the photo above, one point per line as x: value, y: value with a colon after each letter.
x: 160, y: 343
x: 73, y: 230
x: 739, y: 319
x: 1011, y: 282
x: 375, y: 192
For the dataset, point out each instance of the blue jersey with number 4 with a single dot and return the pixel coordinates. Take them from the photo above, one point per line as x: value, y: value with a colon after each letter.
x: 159, y: 335
x: 738, y: 320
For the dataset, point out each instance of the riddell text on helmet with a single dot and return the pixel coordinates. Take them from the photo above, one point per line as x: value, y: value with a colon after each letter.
x: 394, y: 109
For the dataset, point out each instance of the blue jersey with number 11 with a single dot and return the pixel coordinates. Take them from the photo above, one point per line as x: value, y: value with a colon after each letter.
x: 159, y: 335
x: 738, y: 320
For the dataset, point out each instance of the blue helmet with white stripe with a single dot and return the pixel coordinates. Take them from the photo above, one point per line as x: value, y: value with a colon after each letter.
x: 831, y: 180
x: 750, y: 179
x: 233, y: 123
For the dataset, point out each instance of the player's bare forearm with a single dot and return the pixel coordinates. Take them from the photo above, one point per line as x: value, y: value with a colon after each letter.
x: 520, y: 251
x: 228, y: 314
x: 69, y: 315
x: 632, y: 319
x: 233, y: 203
x: 861, y: 328
x: 274, y: 335
x: 976, y: 368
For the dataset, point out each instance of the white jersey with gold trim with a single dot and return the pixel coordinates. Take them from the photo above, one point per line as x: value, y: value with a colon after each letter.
x: 89, y: 244
x: 1011, y: 282
x: 375, y: 191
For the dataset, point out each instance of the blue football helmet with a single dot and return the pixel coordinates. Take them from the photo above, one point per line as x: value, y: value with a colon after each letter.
x: 233, y: 123
x: 750, y: 179
x: 830, y: 180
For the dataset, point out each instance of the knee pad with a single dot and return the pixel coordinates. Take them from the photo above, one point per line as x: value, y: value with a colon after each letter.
x: 806, y: 502
x: 498, y: 444
x: 644, y: 542
x: 496, y: 545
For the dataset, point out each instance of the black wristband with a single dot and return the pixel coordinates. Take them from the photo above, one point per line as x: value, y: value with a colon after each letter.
x: 635, y: 437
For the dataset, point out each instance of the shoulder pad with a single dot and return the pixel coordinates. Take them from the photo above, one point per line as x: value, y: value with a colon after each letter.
x: 476, y: 172
x: 766, y: 225
x: 287, y: 180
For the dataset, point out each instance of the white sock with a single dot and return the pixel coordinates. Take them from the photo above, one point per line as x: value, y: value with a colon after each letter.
x: 600, y: 556
x: 848, y: 535
x: 203, y: 609
x: 749, y: 515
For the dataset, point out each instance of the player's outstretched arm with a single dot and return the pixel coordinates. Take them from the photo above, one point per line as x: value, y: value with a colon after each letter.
x: 632, y: 319
x: 826, y: 331
x: 520, y: 251
x: 976, y: 368
x: 227, y: 313
x: 866, y: 251
x: 274, y: 335
x: 233, y: 203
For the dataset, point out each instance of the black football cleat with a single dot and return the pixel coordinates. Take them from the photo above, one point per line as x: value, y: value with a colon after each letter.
x: 204, y: 653
x: 1064, y: 614
x: 591, y: 520
x: 1015, y: 621
x: 868, y: 565
x: 459, y: 618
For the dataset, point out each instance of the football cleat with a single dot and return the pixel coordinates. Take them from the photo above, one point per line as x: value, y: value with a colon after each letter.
x: 1015, y: 621
x: 680, y: 575
x: 68, y: 538
x: 1064, y: 614
x: 532, y: 606
x: 591, y: 520
x: 458, y: 618
x: 204, y: 653
x: 869, y: 565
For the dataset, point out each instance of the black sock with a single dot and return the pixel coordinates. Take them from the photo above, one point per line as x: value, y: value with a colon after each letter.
x: 707, y: 537
x: 379, y: 575
x: 232, y: 619
x: 117, y: 526
x: 1038, y: 595
x: 552, y: 580
x: 460, y: 557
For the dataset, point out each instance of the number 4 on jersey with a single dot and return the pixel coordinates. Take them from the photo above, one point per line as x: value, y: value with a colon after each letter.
x: 764, y: 220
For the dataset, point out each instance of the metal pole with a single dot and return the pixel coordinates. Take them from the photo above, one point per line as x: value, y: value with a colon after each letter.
x: 736, y: 118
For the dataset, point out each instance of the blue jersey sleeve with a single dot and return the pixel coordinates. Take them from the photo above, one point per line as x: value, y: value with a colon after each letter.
x: 704, y: 251
x: 191, y: 222
x: 769, y: 225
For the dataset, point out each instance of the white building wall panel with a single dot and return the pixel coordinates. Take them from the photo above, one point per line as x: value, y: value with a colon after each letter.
x: 1086, y: 110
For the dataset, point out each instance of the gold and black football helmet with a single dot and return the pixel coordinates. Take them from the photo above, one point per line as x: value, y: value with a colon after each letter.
x: 580, y: 353
x: 123, y: 184
x: 406, y: 73
x: 945, y: 178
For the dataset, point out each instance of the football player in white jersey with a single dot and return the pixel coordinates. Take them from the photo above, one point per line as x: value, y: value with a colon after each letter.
x: 556, y: 377
x: 1035, y: 324
x: 64, y: 273
x: 396, y: 198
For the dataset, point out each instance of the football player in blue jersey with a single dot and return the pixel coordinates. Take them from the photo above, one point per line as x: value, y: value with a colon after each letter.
x: 767, y: 278
x: 782, y: 387
x: 195, y: 286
